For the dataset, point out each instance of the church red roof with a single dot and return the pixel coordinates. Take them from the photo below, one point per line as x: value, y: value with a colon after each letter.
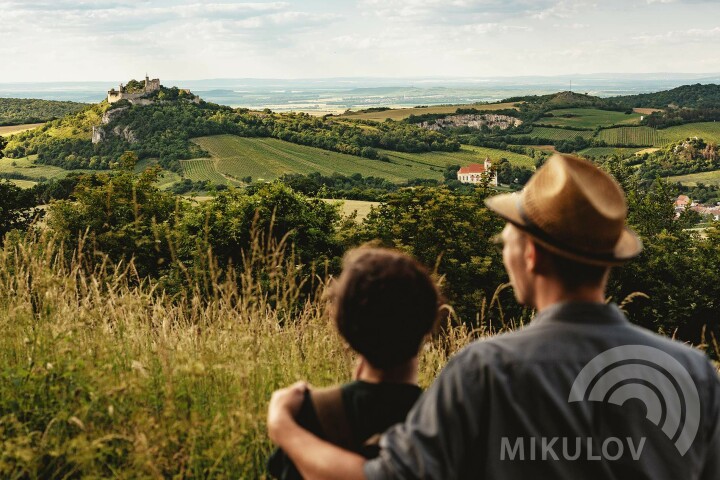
x: 473, y: 168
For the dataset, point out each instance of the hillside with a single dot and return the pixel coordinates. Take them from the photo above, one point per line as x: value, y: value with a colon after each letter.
x: 233, y: 158
x: 686, y: 96
x: 163, y: 125
x: 203, y: 142
x: 18, y: 111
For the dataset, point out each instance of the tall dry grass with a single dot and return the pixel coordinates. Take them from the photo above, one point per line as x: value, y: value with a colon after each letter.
x: 103, y: 375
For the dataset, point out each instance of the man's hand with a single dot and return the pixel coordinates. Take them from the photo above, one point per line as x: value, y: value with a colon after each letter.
x: 284, y: 405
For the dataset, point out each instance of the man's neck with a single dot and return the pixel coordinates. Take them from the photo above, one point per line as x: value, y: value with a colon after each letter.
x: 404, y: 373
x: 549, y: 293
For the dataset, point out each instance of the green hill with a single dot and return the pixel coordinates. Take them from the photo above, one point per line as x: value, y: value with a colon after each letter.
x: 96, y: 136
x: 686, y: 96
x: 18, y: 111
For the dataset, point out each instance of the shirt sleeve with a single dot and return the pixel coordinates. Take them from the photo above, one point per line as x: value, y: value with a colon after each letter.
x: 711, y: 470
x: 440, y: 431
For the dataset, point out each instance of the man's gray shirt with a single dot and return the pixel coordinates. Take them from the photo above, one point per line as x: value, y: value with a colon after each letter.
x: 500, y: 409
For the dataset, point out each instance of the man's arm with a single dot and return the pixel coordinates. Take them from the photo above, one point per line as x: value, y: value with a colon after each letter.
x: 313, y: 457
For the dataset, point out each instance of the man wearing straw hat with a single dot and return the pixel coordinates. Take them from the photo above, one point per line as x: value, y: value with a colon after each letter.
x: 578, y: 393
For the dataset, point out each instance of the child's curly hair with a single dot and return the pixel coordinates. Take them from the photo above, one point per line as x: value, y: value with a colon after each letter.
x: 384, y: 303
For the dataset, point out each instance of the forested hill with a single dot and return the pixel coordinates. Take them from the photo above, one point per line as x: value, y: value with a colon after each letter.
x: 16, y: 111
x: 686, y: 96
x: 98, y: 135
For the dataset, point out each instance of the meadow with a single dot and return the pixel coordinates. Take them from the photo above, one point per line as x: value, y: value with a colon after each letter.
x: 403, y: 113
x: 265, y: 159
x: 360, y: 208
x: 27, y: 167
x: 708, y: 131
x: 692, y: 179
x: 588, y: 118
x: 606, y: 151
x: 6, y: 131
x: 102, y: 375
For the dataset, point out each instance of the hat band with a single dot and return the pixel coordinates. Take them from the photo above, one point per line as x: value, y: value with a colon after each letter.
x: 533, y: 229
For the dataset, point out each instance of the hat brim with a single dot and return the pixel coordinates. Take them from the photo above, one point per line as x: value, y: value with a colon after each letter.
x: 627, y: 247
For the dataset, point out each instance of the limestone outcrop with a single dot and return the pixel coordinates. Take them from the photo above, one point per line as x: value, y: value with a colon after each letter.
x: 473, y: 121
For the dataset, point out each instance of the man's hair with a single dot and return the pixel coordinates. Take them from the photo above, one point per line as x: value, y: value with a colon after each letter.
x: 384, y: 303
x: 573, y: 274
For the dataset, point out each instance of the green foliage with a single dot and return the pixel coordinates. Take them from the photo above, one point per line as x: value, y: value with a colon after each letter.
x: 15, y: 208
x: 353, y: 187
x: 509, y: 174
x: 686, y: 96
x: 689, y: 156
x: 17, y: 111
x: 451, y: 232
x: 225, y: 225
x: 186, y: 186
x: 676, y: 269
x: 124, y: 215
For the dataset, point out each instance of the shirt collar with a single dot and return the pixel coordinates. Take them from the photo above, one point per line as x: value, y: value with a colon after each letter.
x: 581, y: 313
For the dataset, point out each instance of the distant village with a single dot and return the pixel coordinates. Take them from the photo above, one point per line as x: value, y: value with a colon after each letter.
x: 683, y: 202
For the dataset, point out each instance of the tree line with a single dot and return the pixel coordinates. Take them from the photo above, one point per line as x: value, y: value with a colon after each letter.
x: 127, y: 217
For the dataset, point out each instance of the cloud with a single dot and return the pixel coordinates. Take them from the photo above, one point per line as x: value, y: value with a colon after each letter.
x: 678, y: 36
x: 457, y: 12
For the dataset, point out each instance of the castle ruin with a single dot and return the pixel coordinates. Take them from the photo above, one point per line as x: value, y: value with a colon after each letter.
x: 117, y: 95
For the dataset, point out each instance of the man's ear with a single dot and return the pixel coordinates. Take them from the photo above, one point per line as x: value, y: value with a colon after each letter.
x: 531, y: 256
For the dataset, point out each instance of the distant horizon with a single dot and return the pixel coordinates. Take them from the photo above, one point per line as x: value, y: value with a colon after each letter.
x: 435, y: 78
x: 336, y: 94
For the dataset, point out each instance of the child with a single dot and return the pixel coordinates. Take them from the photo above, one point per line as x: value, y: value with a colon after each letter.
x: 383, y: 304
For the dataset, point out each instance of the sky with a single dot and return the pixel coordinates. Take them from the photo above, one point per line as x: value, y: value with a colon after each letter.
x: 98, y: 40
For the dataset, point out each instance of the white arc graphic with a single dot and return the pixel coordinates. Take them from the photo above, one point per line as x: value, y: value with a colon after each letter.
x: 650, y: 375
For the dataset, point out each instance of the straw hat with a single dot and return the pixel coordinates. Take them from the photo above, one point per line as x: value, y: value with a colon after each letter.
x: 573, y: 209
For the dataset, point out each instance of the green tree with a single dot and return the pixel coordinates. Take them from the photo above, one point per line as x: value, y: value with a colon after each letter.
x: 676, y: 268
x: 448, y: 231
x: 15, y: 207
x: 225, y: 225
x: 125, y: 215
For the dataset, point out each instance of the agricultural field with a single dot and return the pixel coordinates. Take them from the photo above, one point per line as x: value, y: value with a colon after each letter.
x: 34, y: 172
x: 202, y: 170
x: 348, y: 207
x: 24, y: 183
x: 166, y: 179
x: 13, y: 129
x: 556, y: 133
x: 708, y: 131
x: 692, y: 179
x: 268, y: 158
x: 403, y: 113
x: 607, y: 151
x: 643, y: 136
x: 467, y: 154
x: 589, y: 118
